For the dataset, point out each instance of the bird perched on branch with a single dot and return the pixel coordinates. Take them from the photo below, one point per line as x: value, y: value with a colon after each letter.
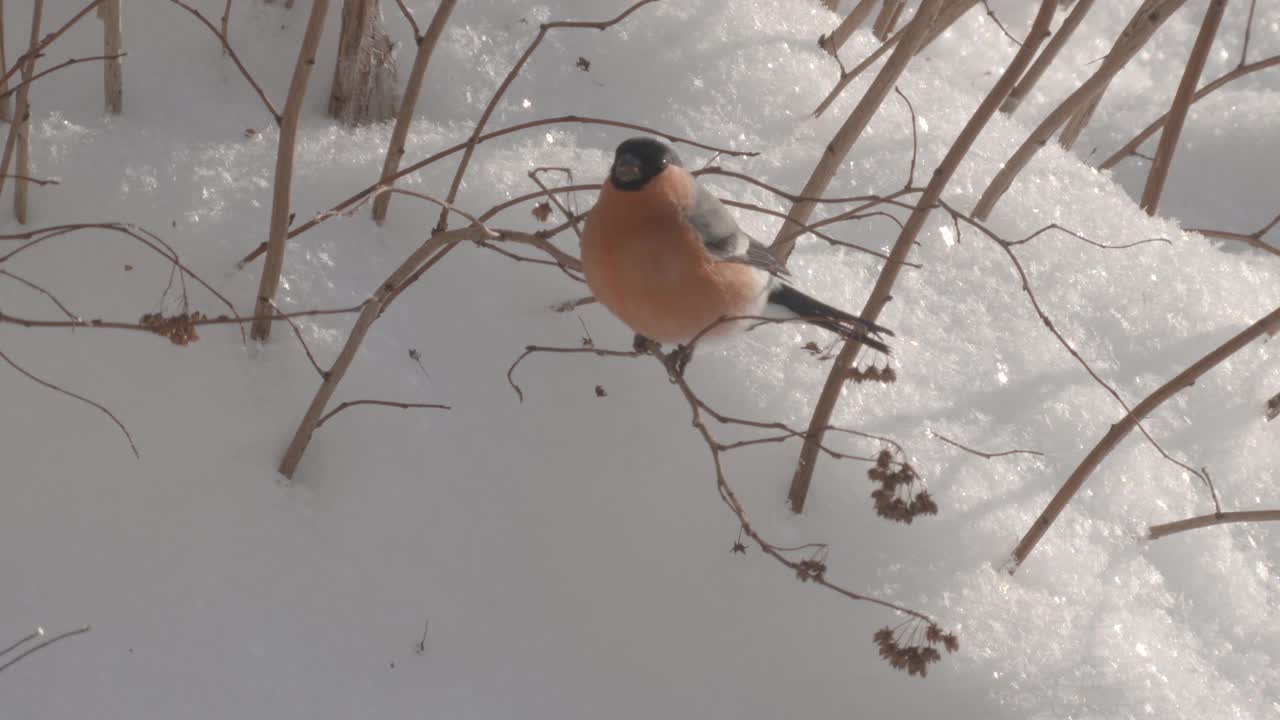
x: 666, y: 257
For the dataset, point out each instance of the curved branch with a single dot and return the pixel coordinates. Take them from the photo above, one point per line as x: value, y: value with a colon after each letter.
x: 1155, y: 532
x: 1184, y: 379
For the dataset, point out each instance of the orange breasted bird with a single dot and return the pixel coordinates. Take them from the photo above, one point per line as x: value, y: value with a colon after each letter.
x: 667, y: 258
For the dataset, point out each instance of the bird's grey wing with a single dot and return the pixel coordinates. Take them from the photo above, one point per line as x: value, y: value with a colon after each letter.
x: 722, y: 237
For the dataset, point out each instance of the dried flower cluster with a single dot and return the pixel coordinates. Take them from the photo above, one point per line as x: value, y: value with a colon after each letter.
x: 886, y: 375
x: 894, y: 499
x: 810, y: 569
x: 914, y: 656
x: 180, y: 328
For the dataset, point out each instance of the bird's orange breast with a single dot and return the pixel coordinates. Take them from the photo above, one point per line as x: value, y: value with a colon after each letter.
x: 648, y: 266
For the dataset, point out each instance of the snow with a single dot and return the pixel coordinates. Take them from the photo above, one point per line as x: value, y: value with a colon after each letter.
x: 569, y: 554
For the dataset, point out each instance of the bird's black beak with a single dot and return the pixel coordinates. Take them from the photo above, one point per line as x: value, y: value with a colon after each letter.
x: 627, y: 169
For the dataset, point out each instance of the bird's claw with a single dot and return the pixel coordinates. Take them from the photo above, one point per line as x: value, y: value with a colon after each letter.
x: 677, y: 360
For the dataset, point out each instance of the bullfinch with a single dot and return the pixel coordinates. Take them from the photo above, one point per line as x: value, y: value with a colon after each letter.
x: 666, y: 257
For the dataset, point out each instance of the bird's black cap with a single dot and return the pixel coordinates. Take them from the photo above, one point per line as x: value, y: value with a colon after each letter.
x: 639, y: 160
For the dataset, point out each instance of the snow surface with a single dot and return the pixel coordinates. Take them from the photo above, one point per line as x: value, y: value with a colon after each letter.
x: 570, y: 553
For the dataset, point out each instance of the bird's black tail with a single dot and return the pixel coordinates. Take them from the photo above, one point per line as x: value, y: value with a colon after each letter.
x: 824, y: 316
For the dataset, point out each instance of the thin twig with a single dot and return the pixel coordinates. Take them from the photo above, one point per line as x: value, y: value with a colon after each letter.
x: 1042, y: 62
x: 838, y: 149
x: 408, y: 15
x: 809, y: 568
x: 915, y: 139
x: 40, y: 646
x: 42, y: 291
x: 980, y: 453
x: 1254, y: 238
x: 48, y: 40
x: 1248, y: 28
x: 882, y: 293
x: 38, y: 632
x: 384, y: 403
x: 46, y: 71
x: 474, y: 140
x: 992, y: 14
x: 231, y: 53
x: 70, y: 394
x: 1131, y: 147
x: 1155, y: 532
x: 297, y: 331
x: 1140, y: 30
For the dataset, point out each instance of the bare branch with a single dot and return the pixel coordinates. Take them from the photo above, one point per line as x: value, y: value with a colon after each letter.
x: 82, y: 399
x: 297, y: 331
x: 980, y: 453
x: 1118, y: 431
x: 373, y: 189
x: 413, y: 87
x: 1159, y: 171
x: 470, y: 148
x: 1145, y: 23
x: 882, y: 292
x: 1254, y: 239
x: 996, y: 19
x: 1131, y: 147
x: 836, y: 151
x: 40, y: 646
x: 282, y: 183
x: 1155, y: 532
x: 384, y: 403
x: 1046, y: 58
x: 70, y: 315
x: 46, y: 71
x: 408, y: 15
x: 231, y: 53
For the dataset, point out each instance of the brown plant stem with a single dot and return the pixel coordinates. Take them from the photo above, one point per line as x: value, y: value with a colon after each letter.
x: 382, y: 403
x: 1075, y: 125
x: 858, y: 15
x: 1126, y: 46
x: 1181, y: 102
x: 835, y: 152
x: 47, y: 40
x: 413, y: 86
x: 887, y: 20
x: 881, y: 293
x: 1121, y: 429
x: 231, y: 53
x: 1051, y: 49
x: 952, y: 10
x: 20, y: 128
x: 980, y: 453
x: 283, y: 181
x: 1131, y: 147
x: 1155, y: 532
x: 112, y: 71
x: 4, y: 95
